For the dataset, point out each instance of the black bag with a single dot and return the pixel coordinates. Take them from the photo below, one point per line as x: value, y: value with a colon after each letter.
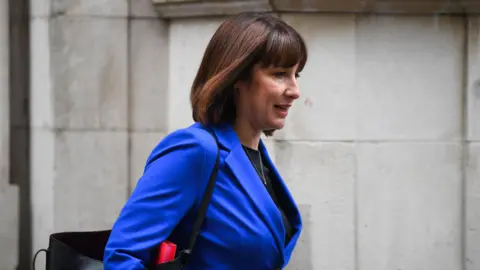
x: 84, y: 250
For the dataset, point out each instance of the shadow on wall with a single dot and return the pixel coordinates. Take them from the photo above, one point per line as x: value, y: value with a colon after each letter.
x: 302, y: 255
x: 19, y: 36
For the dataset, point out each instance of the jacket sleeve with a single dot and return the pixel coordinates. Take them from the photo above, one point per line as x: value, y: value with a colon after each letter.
x: 174, y: 179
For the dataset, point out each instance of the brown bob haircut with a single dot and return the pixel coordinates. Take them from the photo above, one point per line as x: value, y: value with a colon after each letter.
x: 238, y: 44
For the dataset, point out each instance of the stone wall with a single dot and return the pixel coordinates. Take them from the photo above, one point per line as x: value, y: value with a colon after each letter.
x: 80, y: 115
x: 376, y: 149
x: 382, y: 152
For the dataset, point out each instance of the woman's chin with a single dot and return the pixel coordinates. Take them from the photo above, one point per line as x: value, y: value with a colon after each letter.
x: 277, y: 124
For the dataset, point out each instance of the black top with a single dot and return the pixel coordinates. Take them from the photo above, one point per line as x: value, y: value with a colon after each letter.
x: 259, y: 163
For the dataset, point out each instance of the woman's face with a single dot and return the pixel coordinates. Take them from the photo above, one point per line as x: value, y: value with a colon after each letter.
x: 264, y: 100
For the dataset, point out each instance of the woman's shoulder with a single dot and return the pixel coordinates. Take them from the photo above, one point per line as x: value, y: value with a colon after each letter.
x: 196, y: 141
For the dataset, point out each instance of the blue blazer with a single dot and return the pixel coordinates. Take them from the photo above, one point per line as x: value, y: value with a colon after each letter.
x: 243, y: 228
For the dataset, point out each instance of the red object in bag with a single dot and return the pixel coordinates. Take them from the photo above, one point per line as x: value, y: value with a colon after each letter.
x: 166, y: 252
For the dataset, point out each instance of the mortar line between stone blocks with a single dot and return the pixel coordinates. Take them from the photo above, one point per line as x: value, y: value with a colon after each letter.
x: 99, y: 130
x: 464, y: 145
x: 356, y: 225
x: 145, y: 18
x: 129, y: 100
x: 60, y: 14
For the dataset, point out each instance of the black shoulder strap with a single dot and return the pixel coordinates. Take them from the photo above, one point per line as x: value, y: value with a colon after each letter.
x: 204, y: 203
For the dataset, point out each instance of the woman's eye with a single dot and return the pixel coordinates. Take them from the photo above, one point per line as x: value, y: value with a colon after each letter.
x: 279, y: 74
x: 297, y: 75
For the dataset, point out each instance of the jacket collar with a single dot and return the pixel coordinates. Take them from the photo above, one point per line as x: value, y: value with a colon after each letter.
x: 227, y: 136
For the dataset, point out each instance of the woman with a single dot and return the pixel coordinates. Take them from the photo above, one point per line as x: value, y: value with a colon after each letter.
x: 246, y: 83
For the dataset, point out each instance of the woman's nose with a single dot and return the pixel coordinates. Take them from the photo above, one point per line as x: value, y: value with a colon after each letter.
x: 293, y: 91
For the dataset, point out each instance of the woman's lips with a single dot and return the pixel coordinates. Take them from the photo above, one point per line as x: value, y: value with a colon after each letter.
x: 282, y: 109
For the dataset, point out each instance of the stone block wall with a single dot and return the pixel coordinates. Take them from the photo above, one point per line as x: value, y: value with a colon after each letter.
x: 376, y: 150
x: 386, y: 92
x: 80, y: 115
x: 381, y: 152
x: 149, y: 78
x: 99, y: 78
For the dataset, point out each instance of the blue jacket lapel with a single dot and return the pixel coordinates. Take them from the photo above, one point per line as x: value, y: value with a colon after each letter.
x: 241, y: 167
x: 253, y: 186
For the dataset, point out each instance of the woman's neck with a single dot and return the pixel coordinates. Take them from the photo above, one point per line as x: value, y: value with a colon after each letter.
x: 248, y: 136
